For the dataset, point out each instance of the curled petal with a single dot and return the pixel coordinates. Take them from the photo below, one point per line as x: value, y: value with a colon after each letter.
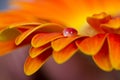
x: 102, y: 58
x: 92, y: 45
x: 40, y: 39
x: 61, y: 43
x: 33, y: 64
x: 48, y: 27
x: 114, y: 50
x: 63, y: 55
x: 97, y: 19
x: 34, y: 52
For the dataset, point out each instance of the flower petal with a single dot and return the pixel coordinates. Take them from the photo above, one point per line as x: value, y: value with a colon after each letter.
x: 102, y: 58
x: 8, y: 34
x: 63, y: 55
x: 61, y: 43
x: 114, y: 50
x: 7, y: 46
x: 97, y: 19
x: 14, y: 17
x: 34, y: 52
x: 78, y: 9
x: 40, y: 39
x: 48, y: 27
x: 92, y: 45
x: 112, y: 26
x: 33, y: 64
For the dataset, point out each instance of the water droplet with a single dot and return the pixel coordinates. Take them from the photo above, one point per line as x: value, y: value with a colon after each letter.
x: 67, y: 32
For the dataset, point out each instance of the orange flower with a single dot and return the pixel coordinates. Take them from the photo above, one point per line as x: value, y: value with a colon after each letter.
x: 105, y: 46
x: 45, y: 24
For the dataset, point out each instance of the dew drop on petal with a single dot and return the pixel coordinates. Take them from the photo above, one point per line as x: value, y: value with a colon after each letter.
x: 67, y: 32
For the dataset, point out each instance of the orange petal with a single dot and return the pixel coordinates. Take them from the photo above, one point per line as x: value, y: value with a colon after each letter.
x: 114, y: 50
x: 33, y: 64
x: 14, y: 17
x: 48, y: 27
x: 34, y: 52
x: 102, y: 58
x: 7, y: 46
x: 97, y: 19
x: 40, y: 40
x: 61, y: 43
x: 78, y: 9
x: 63, y: 55
x: 92, y: 45
x: 112, y: 26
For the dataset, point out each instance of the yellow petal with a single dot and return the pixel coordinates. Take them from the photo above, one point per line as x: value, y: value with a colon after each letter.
x: 61, y: 43
x: 48, y: 27
x: 7, y: 46
x: 114, y: 50
x: 34, y: 52
x: 66, y: 53
x: 91, y: 45
x: 102, y: 58
x: 40, y: 39
x: 33, y: 64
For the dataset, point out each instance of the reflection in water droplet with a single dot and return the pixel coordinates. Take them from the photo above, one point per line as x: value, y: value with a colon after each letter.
x: 67, y: 32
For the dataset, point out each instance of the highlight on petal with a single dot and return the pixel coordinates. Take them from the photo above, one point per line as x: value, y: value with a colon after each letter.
x: 7, y: 46
x: 48, y: 27
x: 61, y: 43
x: 97, y: 19
x: 8, y: 34
x: 40, y: 39
x: 114, y: 50
x: 102, y: 58
x: 91, y: 45
x: 34, y: 52
x: 33, y: 64
x: 66, y: 53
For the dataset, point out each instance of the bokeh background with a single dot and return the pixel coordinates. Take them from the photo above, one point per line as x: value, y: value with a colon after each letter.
x: 79, y: 67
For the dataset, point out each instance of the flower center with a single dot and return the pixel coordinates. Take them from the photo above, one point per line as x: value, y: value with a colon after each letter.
x: 67, y: 32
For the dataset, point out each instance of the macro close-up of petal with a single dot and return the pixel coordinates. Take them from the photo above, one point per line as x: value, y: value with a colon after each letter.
x: 54, y: 31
